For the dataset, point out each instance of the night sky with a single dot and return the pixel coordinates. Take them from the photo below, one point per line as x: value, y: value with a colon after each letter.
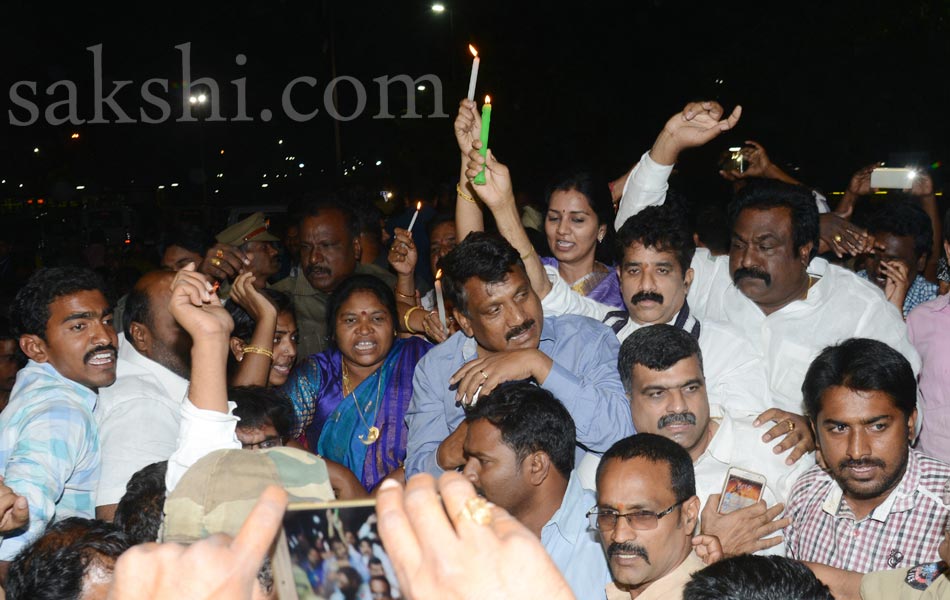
x: 826, y: 87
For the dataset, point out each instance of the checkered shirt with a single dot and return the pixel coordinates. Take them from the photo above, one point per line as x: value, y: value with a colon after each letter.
x: 919, y: 292
x: 903, y: 531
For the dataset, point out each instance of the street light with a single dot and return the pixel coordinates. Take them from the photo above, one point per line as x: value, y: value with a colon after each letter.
x: 438, y: 7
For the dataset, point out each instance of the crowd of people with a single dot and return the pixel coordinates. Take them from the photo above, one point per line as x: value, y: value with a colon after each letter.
x: 566, y: 408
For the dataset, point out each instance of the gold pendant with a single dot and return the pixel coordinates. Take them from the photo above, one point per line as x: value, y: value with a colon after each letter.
x: 371, y: 436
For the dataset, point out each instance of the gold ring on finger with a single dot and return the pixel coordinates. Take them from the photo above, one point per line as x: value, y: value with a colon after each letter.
x: 791, y: 425
x: 216, y: 262
x: 219, y: 253
x: 838, y: 238
x: 477, y: 510
x: 483, y: 373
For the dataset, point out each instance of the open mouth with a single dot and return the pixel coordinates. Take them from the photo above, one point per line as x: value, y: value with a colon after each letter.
x: 102, y: 359
x: 563, y: 245
x: 282, y: 369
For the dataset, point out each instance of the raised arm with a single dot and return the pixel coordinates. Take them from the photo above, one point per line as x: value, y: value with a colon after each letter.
x: 468, y: 129
x: 498, y: 196
x: 697, y: 124
x: 255, y: 363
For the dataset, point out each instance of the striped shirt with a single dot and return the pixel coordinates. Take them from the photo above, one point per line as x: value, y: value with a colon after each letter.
x: 49, y: 450
x: 903, y: 531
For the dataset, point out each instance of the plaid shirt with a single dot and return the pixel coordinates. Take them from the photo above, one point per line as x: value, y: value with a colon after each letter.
x: 903, y: 531
x: 919, y: 292
x: 49, y: 450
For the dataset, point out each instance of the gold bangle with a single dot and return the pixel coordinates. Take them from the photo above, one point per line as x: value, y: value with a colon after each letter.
x: 464, y: 196
x: 405, y: 318
x: 257, y: 350
x: 412, y: 297
x: 525, y: 256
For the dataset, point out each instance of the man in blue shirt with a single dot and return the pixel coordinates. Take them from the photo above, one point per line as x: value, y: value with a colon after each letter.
x: 519, y: 454
x: 49, y: 443
x: 504, y: 337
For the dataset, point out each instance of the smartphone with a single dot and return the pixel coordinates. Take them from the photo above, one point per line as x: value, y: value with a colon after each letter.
x: 332, y: 548
x: 733, y: 159
x: 742, y: 488
x: 901, y: 179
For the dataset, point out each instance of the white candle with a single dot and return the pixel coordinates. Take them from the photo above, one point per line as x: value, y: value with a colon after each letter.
x: 474, y: 77
x: 440, y: 301
x: 415, y: 215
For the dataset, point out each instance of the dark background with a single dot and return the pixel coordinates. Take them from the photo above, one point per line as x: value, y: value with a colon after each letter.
x: 826, y: 86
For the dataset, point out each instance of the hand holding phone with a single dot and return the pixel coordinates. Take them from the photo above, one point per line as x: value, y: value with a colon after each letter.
x: 898, y: 179
x: 742, y: 488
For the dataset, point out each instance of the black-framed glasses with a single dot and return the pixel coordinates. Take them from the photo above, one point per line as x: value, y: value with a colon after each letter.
x: 642, y: 520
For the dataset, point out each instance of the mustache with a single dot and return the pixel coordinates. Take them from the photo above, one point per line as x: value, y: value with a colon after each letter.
x: 628, y: 548
x: 312, y: 269
x: 866, y: 462
x: 99, y: 350
x: 751, y: 273
x: 515, y: 331
x: 675, y: 419
x: 646, y: 296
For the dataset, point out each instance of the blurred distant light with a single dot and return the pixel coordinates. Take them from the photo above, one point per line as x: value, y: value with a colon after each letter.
x: 161, y: 187
x: 300, y: 165
x: 216, y: 191
x: 36, y: 150
x: 219, y: 175
x: 263, y: 185
x: 21, y: 185
x: 222, y: 151
x: 40, y: 201
x: 174, y: 185
x: 202, y: 98
x: 280, y: 141
x: 80, y: 187
x: 438, y: 7
x: 193, y: 100
x: 74, y: 136
x: 421, y: 88
x: 379, y: 162
x: 389, y: 194
x: 4, y: 181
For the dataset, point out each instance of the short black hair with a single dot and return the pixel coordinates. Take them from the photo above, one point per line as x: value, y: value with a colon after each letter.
x: 656, y: 347
x: 243, y: 322
x: 314, y: 206
x: 530, y: 419
x: 597, y: 194
x: 6, y: 333
x: 904, y: 218
x: 188, y: 236
x: 751, y: 577
x: 765, y: 194
x: 257, y: 406
x: 30, y: 309
x: 139, y: 512
x: 663, y: 228
x: 438, y: 219
x: 351, y: 285
x: 487, y: 256
x: 860, y: 364
x: 656, y: 449
x: 53, y: 567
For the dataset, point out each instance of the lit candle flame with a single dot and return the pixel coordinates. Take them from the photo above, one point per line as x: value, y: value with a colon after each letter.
x: 487, y: 99
x: 438, y: 274
x: 419, y: 205
x: 472, y: 49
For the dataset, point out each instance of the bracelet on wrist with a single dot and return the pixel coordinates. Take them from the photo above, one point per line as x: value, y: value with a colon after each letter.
x: 405, y: 318
x: 257, y: 350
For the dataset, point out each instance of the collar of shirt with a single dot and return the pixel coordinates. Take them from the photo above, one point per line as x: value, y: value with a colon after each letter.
x: 34, y: 372
x: 901, y: 498
x: 548, y: 337
x: 136, y: 363
x: 669, y: 586
x: 566, y: 521
x: 723, y: 442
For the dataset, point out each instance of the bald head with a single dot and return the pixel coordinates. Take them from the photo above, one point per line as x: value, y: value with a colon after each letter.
x: 150, y: 327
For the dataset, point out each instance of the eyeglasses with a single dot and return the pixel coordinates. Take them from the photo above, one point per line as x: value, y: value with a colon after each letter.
x: 641, y: 520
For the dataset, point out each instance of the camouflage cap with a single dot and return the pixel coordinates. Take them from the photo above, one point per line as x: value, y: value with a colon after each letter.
x: 218, y: 492
x: 251, y: 229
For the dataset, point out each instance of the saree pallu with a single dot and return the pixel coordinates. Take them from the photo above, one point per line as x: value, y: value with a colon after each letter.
x: 602, y: 286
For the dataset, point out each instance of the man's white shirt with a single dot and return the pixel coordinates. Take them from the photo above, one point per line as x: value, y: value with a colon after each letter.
x: 839, y: 306
x: 138, y: 417
x: 735, y: 372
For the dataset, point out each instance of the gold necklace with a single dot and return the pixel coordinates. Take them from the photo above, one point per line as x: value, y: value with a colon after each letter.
x: 372, y: 432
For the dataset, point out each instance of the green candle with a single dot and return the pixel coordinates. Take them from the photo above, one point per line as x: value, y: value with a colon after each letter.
x: 486, y: 122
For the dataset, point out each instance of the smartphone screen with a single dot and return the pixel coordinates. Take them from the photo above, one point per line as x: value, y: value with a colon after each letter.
x: 740, y: 491
x: 332, y: 550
